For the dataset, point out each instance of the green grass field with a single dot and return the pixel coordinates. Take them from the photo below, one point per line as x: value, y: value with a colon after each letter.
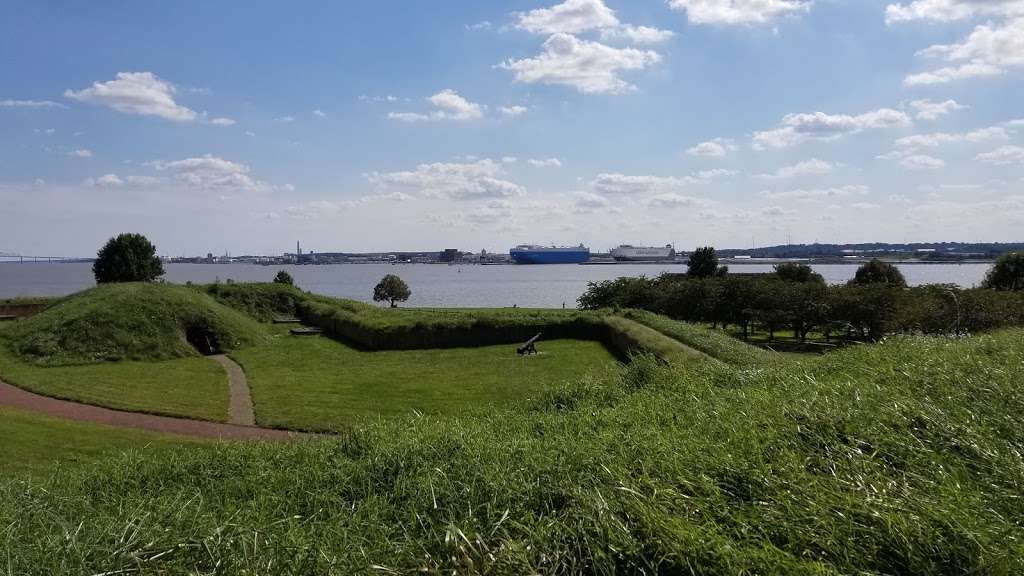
x: 321, y: 384
x: 188, y: 387
x: 896, y: 458
x: 35, y: 446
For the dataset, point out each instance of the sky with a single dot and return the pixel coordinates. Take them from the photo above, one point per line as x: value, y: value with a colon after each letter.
x: 378, y: 125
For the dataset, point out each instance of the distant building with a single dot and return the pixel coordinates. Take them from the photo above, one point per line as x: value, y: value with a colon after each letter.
x: 450, y: 255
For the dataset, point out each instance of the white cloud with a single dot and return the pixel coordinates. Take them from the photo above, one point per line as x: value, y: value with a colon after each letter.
x: 928, y: 110
x: 817, y: 193
x: 545, y: 162
x: 514, y: 110
x: 569, y: 17
x: 105, y: 181
x: 30, y: 104
x: 713, y: 148
x: 509, y: 160
x: 805, y: 168
x: 865, y: 206
x: 637, y: 34
x: 714, y: 173
x: 626, y: 185
x: 587, y: 202
x: 210, y: 172
x: 222, y: 122
x: 989, y: 50
x: 140, y: 93
x: 922, y: 162
x: 777, y: 211
x: 797, y: 128
x: 285, y: 119
x: 81, y: 153
x: 484, y: 25
x: 738, y: 12
x: 448, y: 104
x: 470, y: 180
x: 674, y: 200
x: 319, y: 113
x: 1003, y: 155
x: 939, y: 138
x: 590, y: 67
x: 951, y: 10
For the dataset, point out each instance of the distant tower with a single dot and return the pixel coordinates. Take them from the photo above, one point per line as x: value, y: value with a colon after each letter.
x: 298, y: 249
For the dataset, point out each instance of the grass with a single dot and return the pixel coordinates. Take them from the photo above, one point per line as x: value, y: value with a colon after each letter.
x: 897, y: 458
x: 320, y: 384
x: 135, y: 321
x: 714, y: 343
x: 35, y: 446
x: 187, y: 387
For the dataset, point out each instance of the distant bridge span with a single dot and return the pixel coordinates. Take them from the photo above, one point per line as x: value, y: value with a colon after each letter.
x: 13, y: 257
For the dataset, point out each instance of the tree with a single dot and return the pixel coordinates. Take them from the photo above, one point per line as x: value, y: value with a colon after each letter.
x: 391, y: 289
x: 127, y: 258
x: 704, y: 264
x: 794, y: 272
x: 878, y: 272
x: 284, y: 277
x: 1007, y: 273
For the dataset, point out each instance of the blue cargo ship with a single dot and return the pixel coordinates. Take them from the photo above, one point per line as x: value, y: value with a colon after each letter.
x: 527, y: 254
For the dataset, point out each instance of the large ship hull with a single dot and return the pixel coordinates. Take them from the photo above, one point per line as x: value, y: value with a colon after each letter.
x: 643, y: 254
x: 549, y: 256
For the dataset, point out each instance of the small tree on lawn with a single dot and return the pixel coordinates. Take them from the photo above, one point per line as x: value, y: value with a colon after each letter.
x: 1007, y: 273
x: 391, y: 289
x: 127, y: 258
x: 878, y: 272
x: 284, y: 278
x: 704, y: 264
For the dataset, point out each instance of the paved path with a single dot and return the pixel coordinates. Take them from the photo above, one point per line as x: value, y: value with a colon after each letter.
x: 18, y: 398
x: 240, y: 411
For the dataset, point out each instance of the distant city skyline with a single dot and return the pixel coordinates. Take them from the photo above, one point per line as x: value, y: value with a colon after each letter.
x: 407, y: 126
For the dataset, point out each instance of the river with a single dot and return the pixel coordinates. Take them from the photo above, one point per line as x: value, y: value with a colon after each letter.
x: 437, y: 285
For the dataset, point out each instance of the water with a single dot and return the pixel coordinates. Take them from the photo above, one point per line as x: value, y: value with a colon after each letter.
x: 438, y: 285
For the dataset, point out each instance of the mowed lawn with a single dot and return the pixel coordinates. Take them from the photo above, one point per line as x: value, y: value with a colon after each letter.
x: 316, y: 383
x: 186, y: 387
x: 35, y: 445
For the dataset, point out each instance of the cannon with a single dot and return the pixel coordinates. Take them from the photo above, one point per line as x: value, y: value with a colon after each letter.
x: 530, y: 346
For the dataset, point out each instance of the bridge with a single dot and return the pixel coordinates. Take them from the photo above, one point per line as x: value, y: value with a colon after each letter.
x: 22, y: 258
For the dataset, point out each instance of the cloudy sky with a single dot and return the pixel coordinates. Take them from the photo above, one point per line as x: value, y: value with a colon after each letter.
x: 367, y: 125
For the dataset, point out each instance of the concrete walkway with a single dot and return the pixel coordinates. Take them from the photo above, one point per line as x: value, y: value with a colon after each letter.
x: 240, y: 411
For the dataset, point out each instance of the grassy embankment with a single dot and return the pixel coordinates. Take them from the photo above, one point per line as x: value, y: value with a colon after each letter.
x: 900, y: 457
x: 124, y: 347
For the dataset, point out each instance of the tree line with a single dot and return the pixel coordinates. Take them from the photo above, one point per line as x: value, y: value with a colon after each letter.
x: 874, y: 303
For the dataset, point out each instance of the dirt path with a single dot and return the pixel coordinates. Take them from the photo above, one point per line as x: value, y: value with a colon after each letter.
x: 240, y: 411
x: 18, y: 398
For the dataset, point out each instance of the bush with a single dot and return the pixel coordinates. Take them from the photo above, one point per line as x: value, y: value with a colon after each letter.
x: 1007, y: 273
x: 284, y: 277
x: 878, y: 272
x: 127, y: 258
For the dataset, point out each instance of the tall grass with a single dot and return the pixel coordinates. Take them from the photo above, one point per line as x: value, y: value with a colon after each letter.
x: 897, y: 458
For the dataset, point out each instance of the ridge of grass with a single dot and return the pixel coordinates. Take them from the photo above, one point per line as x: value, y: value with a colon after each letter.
x: 714, y: 343
x: 132, y: 321
x: 897, y: 458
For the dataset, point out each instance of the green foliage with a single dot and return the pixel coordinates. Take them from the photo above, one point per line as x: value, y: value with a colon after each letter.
x: 127, y: 258
x: 796, y: 272
x: 391, y: 289
x: 283, y: 277
x: 714, y: 343
x: 878, y: 272
x: 131, y: 321
x: 263, y: 301
x: 703, y: 263
x: 1007, y: 273
x: 895, y: 458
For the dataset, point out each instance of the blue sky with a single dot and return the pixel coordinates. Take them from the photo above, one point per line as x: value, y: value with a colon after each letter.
x: 355, y: 126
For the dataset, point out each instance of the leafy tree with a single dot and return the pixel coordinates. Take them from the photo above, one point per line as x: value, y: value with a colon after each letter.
x: 704, y: 264
x: 795, y: 272
x: 1007, y: 273
x: 391, y: 289
x: 284, y: 277
x: 878, y: 272
x: 623, y: 292
x: 127, y: 258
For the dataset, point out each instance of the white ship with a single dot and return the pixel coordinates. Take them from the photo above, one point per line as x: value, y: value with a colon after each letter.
x: 627, y: 253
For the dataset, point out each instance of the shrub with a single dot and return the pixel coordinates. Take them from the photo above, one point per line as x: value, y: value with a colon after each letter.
x: 283, y: 277
x: 1007, y: 273
x: 878, y: 272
